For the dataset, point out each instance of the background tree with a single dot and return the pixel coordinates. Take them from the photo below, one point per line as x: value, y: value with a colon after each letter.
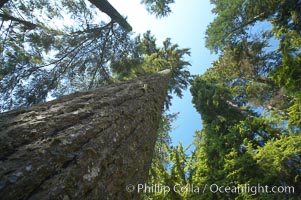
x: 234, y: 23
x: 146, y: 57
x: 158, y: 7
x: 249, y: 107
x: 233, y: 134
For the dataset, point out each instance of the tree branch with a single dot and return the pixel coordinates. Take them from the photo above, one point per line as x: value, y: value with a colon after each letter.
x: 106, y: 7
x: 251, y: 21
x: 101, y: 62
x: 28, y: 24
x: 91, y: 30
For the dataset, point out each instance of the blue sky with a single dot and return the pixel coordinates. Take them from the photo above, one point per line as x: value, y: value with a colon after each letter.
x: 186, y: 26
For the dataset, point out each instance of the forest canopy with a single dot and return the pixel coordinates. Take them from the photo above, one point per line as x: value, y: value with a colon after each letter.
x: 53, y: 48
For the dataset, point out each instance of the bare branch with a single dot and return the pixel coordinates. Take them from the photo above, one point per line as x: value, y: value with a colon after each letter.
x: 91, y: 30
x: 101, y: 61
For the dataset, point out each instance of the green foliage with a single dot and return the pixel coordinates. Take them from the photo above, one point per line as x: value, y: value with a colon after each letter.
x: 280, y: 160
x: 212, y: 99
x: 158, y: 7
x: 51, y: 56
x: 147, y: 58
x: 294, y: 112
x: 250, y: 100
x: 171, y: 175
x: 235, y: 19
x: 234, y: 143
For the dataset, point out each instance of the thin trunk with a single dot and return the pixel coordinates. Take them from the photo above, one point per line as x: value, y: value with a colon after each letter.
x: 261, y: 16
x: 88, y: 145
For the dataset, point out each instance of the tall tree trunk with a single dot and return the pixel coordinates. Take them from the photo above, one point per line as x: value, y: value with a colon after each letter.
x: 88, y: 145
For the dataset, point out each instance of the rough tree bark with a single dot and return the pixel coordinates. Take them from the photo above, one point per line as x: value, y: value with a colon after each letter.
x: 88, y: 145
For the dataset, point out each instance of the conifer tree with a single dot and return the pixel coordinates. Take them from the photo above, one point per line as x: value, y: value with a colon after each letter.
x: 249, y: 101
